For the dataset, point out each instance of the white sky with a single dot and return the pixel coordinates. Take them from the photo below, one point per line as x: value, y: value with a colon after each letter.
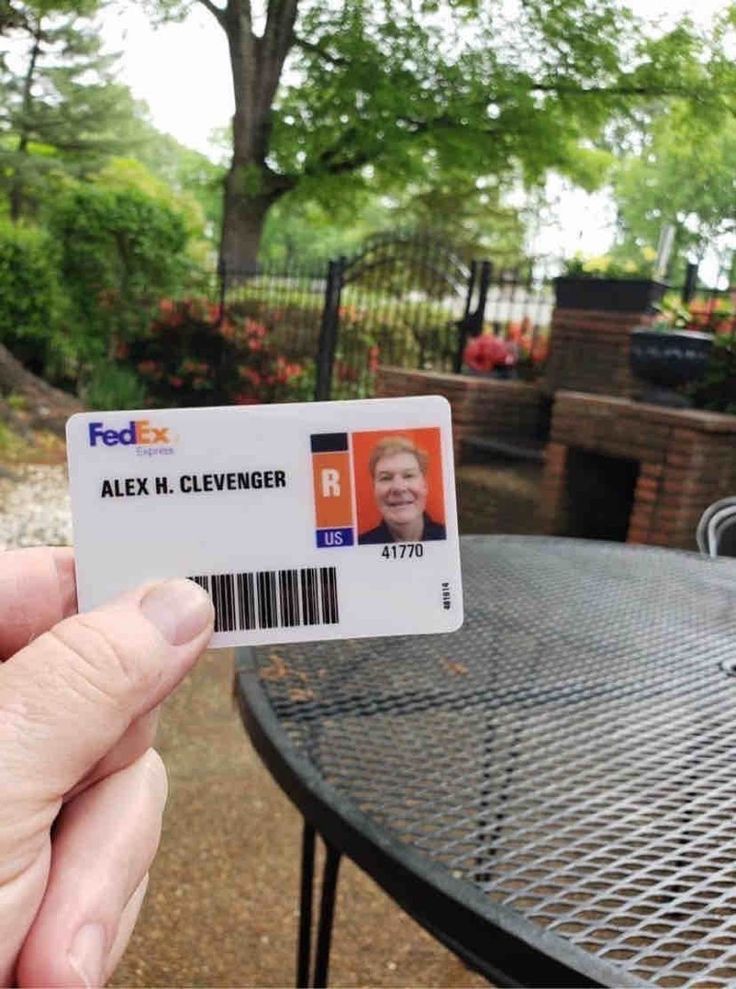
x: 182, y: 72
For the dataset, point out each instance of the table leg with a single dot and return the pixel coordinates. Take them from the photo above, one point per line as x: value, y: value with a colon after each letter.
x: 326, y: 916
x: 304, y: 947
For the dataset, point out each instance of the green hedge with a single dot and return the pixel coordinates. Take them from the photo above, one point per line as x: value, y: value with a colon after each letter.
x: 32, y: 302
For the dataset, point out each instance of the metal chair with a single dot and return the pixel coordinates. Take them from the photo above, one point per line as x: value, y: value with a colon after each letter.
x: 715, y: 521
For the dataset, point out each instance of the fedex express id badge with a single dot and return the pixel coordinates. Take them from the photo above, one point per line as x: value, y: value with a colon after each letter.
x: 310, y: 521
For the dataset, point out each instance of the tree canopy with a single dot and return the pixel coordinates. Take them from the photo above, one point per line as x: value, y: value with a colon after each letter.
x: 684, y: 175
x: 331, y: 97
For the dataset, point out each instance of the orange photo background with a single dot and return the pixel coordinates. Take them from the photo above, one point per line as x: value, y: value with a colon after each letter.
x: 428, y: 440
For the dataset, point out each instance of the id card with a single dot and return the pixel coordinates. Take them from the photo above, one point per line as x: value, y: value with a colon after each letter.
x: 310, y: 521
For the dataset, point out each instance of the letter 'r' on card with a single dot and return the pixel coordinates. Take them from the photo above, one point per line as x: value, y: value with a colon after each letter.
x: 308, y: 521
x: 333, y: 496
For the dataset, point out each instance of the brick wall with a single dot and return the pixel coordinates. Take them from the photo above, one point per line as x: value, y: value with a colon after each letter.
x: 589, y: 351
x: 687, y: 460
x: 480, y: 406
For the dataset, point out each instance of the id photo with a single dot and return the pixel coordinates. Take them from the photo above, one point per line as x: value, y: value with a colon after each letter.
x: 399, y: 486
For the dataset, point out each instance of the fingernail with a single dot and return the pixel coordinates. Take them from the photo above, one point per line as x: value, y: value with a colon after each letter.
x: 87, y: 955
x: 179, y: 609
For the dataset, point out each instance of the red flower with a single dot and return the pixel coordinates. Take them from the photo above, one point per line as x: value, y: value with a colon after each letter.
x: 175, y: 381
x: 484, y: 353
x: 345, y: 372
x: 525, y: 344
x: 250, y: 375
x: 254, y: 329
x: 540, y: 350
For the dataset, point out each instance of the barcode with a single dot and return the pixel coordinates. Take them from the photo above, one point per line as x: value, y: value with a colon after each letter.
x: 272, y: 598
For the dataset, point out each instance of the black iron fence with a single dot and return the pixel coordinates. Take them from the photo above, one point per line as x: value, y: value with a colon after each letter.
x: 407, y: 301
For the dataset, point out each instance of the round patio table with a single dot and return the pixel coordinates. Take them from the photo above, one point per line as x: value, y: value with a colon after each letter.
x: 551, y: 790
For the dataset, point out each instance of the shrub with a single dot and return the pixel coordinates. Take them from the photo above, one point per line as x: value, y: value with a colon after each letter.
x: 190, y: 357
x: 120, y: 251
x: 31, y: 300
x: 113, y: 386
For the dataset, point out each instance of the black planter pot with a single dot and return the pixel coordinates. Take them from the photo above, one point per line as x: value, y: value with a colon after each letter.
x: 667, y: 360
x: 610, y: 294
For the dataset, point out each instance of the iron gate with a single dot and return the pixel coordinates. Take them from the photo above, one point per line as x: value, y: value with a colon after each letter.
x: 407, y: 301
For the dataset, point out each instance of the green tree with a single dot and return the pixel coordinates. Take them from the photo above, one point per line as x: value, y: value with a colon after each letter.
x: 377, y: 92
x: 60, y: 112
x: 121, y: 250
x: 188, y: 174
x: 31, y: 300
x: 684, y: 175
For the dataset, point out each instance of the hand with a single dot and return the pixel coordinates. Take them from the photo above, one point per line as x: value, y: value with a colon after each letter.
x: 81, y: 789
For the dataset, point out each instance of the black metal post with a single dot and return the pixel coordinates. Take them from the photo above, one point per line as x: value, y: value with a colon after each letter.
x: 326, y: 916
x: 462, y: 324
x: 472, y: 322
x: 691, y: 281
x: 222, y: 286
x: 304, y: 947
x: 329, y: 330
x: 486, y: 269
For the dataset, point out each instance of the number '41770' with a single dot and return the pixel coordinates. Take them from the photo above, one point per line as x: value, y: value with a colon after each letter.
x: 402, y: 551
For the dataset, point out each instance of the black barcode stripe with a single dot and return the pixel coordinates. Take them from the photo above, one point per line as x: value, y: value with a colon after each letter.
x: 272, y: 598
x: 223, y: 597
x: 246, y: 601
x: 309, y: 597
x: 289, y: 596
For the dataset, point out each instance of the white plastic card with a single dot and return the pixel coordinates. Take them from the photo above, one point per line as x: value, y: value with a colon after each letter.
x: 312, y: 521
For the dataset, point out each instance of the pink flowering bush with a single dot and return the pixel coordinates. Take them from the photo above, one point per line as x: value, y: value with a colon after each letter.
x: 191, y: 356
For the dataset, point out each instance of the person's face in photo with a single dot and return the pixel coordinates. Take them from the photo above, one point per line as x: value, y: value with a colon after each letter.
x: 400, y: 488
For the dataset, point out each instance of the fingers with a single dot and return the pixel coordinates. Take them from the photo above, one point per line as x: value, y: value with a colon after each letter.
x: 70, y: 696
x: 37, y: 590
x: 126, y: 925
x: 139, y: 737
x: 103, y: 847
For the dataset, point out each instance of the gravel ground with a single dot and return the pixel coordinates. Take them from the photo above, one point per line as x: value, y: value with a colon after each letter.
x: 34, y: 507
x: 221, y: 904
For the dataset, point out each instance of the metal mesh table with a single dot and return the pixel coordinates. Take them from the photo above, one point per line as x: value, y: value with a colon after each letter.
x: 551, y: 790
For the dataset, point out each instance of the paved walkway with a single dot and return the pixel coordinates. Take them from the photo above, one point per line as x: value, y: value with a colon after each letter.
x: 221, y: 906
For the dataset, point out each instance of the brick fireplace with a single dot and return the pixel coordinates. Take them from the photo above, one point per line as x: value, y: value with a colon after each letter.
x: 620, y: 469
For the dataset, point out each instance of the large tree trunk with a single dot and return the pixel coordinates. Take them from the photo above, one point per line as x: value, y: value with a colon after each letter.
x: 243, y: 220
x: 252, y: 187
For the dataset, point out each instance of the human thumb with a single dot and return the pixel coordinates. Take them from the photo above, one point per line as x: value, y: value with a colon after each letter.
x: 69, y: 696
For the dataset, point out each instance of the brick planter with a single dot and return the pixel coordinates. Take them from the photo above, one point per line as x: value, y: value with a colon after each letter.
x: 481, y: 407
x: 589, y: 351
x: 683, y: 460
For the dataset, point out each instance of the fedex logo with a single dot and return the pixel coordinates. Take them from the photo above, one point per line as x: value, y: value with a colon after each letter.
x: 138, y: 432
